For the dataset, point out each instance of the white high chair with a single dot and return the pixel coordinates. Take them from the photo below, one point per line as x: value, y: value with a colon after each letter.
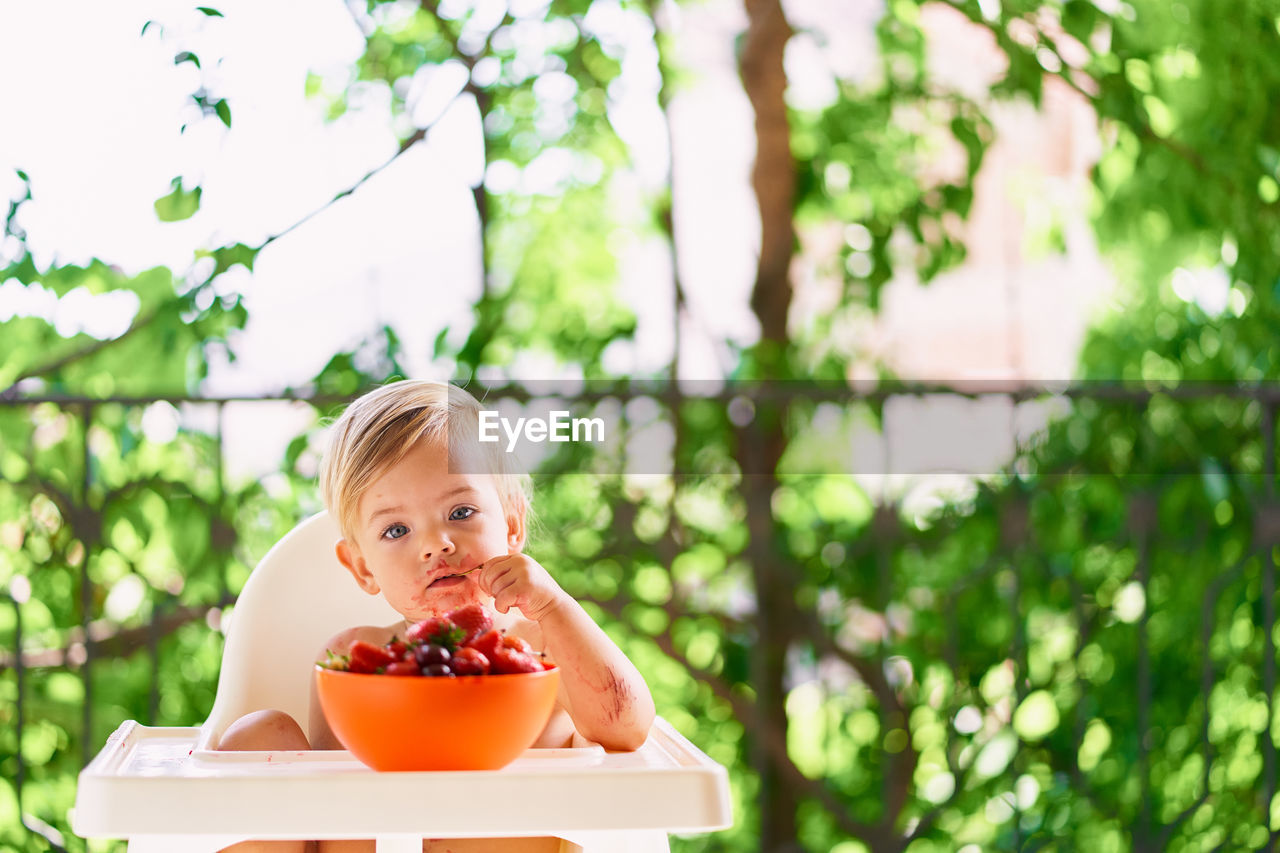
x: 170, y: 789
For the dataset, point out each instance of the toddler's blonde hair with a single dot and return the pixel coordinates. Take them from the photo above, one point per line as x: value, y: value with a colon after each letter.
x: 378, y: 430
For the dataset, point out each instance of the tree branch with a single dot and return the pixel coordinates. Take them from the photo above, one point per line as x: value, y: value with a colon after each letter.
x: 418, y: 135
x: 1167, y: 831
x: 108, y: 640
x: 89, y: 350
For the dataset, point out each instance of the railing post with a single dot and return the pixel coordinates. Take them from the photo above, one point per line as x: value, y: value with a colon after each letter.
x: 19, y: 590
x: 224, y: 594
x: 153, y: 649
x: 1269, y: 620
x: 1015, y: 532
x: 86, y: 591
x: 1142, y: 522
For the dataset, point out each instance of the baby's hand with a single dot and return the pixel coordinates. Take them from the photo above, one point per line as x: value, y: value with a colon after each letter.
x: 517, y: 580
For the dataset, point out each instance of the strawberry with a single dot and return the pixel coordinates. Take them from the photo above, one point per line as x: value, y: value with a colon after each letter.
x: 403, y: 667
x: 366, y: 657
x: 397, y: 649
x: 471, y: 618
x: 469, y: 661
x: 487, y: 643
x: 507, y: 660
x: 421, y: 632
x: 435, y: 629
x: 517, y: 644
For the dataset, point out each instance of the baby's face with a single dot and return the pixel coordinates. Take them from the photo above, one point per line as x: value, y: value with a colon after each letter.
x: 419, y: 525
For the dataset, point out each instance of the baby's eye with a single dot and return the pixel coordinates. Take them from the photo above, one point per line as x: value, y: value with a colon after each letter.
x: 395, y: 531
x: 462, y: 512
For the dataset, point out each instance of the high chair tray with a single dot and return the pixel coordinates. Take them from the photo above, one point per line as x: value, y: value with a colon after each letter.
x: 154, y: 781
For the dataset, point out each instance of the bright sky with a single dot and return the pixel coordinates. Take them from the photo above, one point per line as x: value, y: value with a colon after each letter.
x: 96, y: 124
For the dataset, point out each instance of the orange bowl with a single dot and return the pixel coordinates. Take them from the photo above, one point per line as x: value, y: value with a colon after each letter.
x: 471, y: 722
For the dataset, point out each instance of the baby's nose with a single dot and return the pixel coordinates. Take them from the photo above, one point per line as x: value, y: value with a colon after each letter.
x: 438, y: 548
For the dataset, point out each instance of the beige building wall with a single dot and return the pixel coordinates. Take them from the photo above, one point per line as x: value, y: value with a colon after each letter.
x: 1014, y: 308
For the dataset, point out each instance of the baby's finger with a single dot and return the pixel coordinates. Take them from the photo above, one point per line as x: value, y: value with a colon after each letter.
x: 502, y: 586
x: 503, y: 601
x: 487, y: 573
x: 493, y: 567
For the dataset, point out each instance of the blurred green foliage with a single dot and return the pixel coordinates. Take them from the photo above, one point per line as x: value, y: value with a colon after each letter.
x: 1076, y: 655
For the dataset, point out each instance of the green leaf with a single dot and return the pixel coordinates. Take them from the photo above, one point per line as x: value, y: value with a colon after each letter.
x: 1080, y: 18
x: 337, y: 109
x: 224, y: 111
x: 179, y: 204
x: 295, y: 450
x: 210, y: 11
x: 186, y: 56
x: 228, y: 256
x: 438, y: 348
x: 450, y: 637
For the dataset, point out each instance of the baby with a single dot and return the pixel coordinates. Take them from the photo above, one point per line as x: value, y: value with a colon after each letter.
x: 420, y: 503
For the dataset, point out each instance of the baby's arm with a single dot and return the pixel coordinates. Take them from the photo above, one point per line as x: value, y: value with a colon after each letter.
x: 604, y: 693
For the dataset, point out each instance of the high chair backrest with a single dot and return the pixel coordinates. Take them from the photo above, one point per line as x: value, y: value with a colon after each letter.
x: 296, y: 598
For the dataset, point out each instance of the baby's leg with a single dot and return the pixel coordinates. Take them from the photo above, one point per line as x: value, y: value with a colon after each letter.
x: 264, y: 730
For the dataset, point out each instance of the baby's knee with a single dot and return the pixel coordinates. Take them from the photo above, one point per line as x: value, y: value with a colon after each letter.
x: 262, y: 730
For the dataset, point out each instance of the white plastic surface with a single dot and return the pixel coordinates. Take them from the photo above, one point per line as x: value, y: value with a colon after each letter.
x: 152, y: 782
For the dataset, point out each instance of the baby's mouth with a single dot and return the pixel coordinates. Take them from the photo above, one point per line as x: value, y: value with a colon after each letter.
x: 451, y: 579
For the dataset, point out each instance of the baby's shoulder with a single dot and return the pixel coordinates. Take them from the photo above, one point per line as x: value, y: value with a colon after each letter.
x: 340, y: 642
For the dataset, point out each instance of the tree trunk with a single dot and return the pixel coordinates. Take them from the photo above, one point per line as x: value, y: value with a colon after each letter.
x: 773, y: 181
x: 773, y: 178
